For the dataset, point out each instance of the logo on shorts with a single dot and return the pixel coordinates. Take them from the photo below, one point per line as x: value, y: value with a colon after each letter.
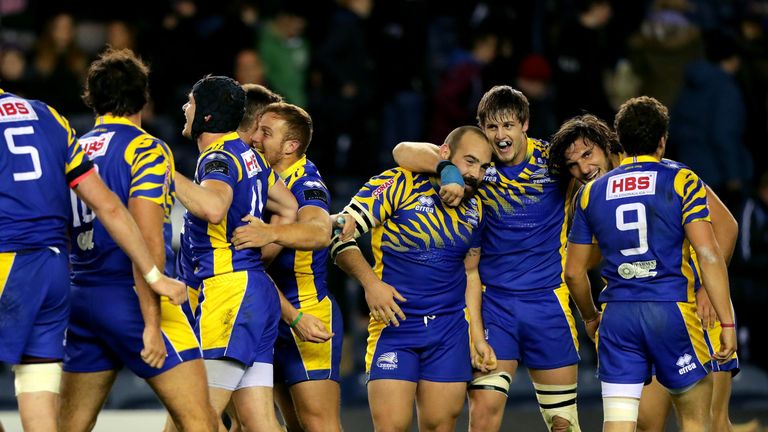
x: 387, y: 361
x: 684, y: 363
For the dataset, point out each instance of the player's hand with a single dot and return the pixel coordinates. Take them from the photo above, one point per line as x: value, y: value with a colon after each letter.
x: 175, y: 290
x: 154, y: 352
x: 254, y: 235
x: 382, y: 300
x: 344, y: 226
x: 727, y: 345
x: 592, y: 326
x: 704, y: 309
x: 311, y: 329
x: 452, y: 194
x: 483, y: 356
x: 451, y: 185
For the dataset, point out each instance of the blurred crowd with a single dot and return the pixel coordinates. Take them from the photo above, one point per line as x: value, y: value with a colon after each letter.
x: 374, y: 73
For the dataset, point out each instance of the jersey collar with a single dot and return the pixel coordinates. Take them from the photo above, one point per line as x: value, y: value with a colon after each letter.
x: 224, y: 138
x: 637, y: 159
x: 110, y: 119
x: 293, y: 168
x: 1, y: 91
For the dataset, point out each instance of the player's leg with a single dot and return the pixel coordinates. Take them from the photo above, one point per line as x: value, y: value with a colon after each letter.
x: 682, y: 362
x: 184, y: 392
x: 82, y: 396
x: 488, y: 391
x: 255, y: 404
x: 311, y: 372
x: 556, y: 393
x: 391, y: 403
x: 439, y: 404
x: 721, y: 396
x: 693, y: 405
x: 655, y: 404
x: 488, y: 396
x: 621, y: 403
x: 287, y: 409
x: 317, y: 404
x: 549, y: 347
x: 34, y: 304
x: 624, y: 364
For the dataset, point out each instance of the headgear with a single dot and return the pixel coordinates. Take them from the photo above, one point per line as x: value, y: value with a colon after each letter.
x: 223, y: 100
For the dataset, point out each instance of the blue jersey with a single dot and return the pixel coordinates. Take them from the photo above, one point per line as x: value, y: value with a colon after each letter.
x: 524, y: 240
x: 637, y: 213
x: 231, y: 161
x: 419, y: 243
x: 39, y: 161
x: 301, y: 275
x: 133, y: 164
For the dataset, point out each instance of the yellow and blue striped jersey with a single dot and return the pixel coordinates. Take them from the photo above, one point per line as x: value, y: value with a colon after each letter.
x: 133, y: 164
x: 231, y: 161
x: 419, y: 244
x: 301, y: 275
x: 637, y: 212
x: 524, y: 240
x: 39, y: 161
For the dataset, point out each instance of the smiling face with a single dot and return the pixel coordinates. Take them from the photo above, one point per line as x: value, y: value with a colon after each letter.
x: 586, y: 161
x: 269, y: 138
x: 507, y: 134
x: 472, y: 156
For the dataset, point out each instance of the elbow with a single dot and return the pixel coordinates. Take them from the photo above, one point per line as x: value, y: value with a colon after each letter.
x: 572, y: 276
x: 397, y: 151
x: 215, y: 215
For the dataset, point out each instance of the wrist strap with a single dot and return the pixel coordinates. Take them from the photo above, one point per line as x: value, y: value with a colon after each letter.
x: 298, y: 317
x: 441, y: 166
x: 153, y: 275
x: 728, y: 325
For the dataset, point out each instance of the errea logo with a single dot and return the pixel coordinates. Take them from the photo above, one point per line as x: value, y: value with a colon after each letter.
x: 684, y: 363
x: 491, y: 175
x: 387, y: 361
x: 426, y: 204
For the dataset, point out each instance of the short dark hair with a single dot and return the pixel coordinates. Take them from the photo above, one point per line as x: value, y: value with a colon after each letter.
x: 457, y: 134
x: 256, y: 98
x: 587, y: 127
x: 117, y: 83
x: 298, y: 122
x: 500, y: 101
x: 640, y: 124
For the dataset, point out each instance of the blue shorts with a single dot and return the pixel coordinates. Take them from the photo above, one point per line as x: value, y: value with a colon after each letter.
x: 536, y: 329
x: 712, y: 337
x: 34, y: 304
x: 238, y: 316
x: 297, y: 361
x: 430, y: 348
x: 634, y: 336
x: 106, y: 332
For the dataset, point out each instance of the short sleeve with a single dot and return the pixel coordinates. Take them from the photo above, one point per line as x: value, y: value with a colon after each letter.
x: 693, y: 194
x: 218, y: 165
x: 151, y: 170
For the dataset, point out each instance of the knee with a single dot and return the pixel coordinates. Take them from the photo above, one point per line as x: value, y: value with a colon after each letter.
x: 485, y: 416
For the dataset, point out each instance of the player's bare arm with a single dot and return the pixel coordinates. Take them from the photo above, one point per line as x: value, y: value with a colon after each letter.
x: 483, y: 357
x: 149, y: 218
x: 311, y: 231
x: 307, y: 327
x: 425, y: 158
x: 210, y: 200
x: 576, y: 265
x: 715, y: 278
x: 121, y: 226
x: 726, y: 232
x: 381, y: 297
